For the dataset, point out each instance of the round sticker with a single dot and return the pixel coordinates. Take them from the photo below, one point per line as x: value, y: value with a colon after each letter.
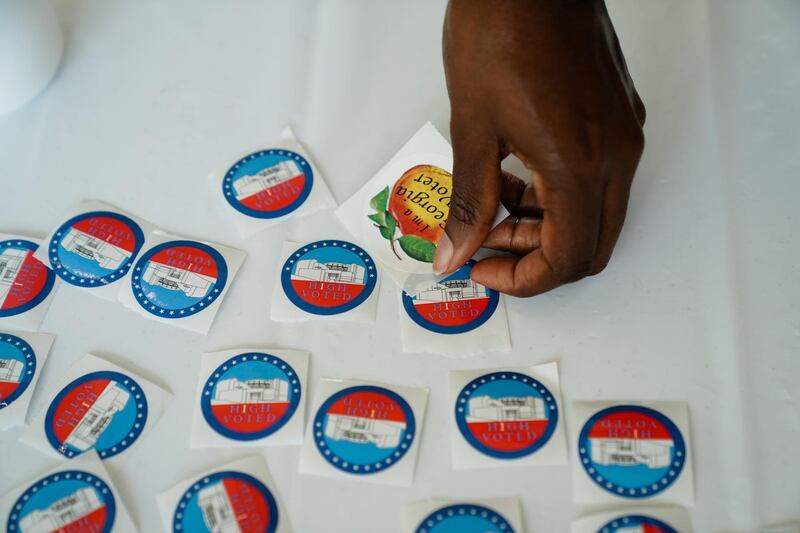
x: 328, y: 277
x: 105, y: 411
x: 250, y: 396
x: 177, y: 279
x: 631, y: 451
x: 364, y: 429
x: 71, y: 500
x: 24, y: 280
x: 455, y: 304
x: 17, y: 368
x: 636, y: 524
x: 226, y: 501
x: 464, y: 518
x: 506, y: 414
x: 269, y: 183
x: 95, y: 249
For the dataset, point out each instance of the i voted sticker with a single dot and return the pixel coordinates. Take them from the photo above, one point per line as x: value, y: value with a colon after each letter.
x: 228, y: 501
x: 455, y: 304
x: 17, y: 368
x: 66, y: 501
x: 24, y: 280
x: 464, y: 518
x: 506, y: 415
x: 95, y: 249
x: 364, y: 429
x: 268, y: 183
x: 105, y: 411
x: 631, y: 451
x: 636, y: 524
x: 250, y: 396
x: 328, y: 277
x: 178, y: 278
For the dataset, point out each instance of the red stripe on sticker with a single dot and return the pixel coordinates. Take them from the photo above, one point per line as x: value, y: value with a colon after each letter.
x: 326, y: 294
x: 75, y: 404
x: 508, y: 436
x: 372, y: 405
x: 27, y: 284
x: 91, y: 523
x: 187, y: 258
x: 629, y: 425
x: 7, y: 388
x: 109, y: 230
x: 649, y: 528
x: 249, y: 506
x: 276, y: 197
x: 455, y: 313
x: 249, y: 417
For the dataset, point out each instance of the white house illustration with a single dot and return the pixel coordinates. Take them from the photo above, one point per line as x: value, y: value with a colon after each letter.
x: 313, y: 270
x: 11, y: 260
x: 450, y: 291
x: 652, y: 453
x: 265, y: 178
x: 61, y: 512
x: 633, y: 529
x: 251, y: 391
x: 176, y: 279
x: 92, y: 424
x: 103, y: 253
x: 508, y: 409
x: 217, y: 510
x: 381, y: 433
x: 11, y: 370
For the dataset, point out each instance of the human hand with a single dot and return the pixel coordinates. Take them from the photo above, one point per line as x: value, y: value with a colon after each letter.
x: 547, y: 81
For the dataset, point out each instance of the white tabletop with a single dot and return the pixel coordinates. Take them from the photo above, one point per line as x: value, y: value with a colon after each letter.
x: 700, y: 302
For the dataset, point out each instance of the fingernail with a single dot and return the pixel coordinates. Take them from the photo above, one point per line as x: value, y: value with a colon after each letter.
x: 443, y: 255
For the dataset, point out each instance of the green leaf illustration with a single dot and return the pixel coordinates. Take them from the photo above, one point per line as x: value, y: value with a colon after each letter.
x: 380, y: 200
x: 417, y: 248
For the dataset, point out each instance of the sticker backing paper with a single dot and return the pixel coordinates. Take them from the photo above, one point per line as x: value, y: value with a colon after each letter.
x: 97, y: 406
x: 76, y: 496
x: 635, y: 520
x: 364, y: 431
x: 238, y: 496
x: 180, y: 281
x: 331, y: 279
x: 27, y: 285
x: 635, y: 452
x: 496, y: 515
x: 95, y: 247
x: 266, y: 185
x: 506, y: 417
x: 250, y: 397
x: 22, y: 358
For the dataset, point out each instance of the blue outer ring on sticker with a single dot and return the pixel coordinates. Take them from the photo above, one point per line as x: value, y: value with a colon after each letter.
x: 250, y: 396
x: 364, y: 429
x: 19, y: 262
x: 180, y: 278
x: 624, y: 523
x: 269, y: 183
x: 253, y: 509
x: 105, y: 411
x: 464, y: 518
x: 328, y: 277
x: 94, y: 249
x: 506, y: 415
x: 631, y: 451
x: 17, y: 368
x: 75, y: 491
x: 454, y: 304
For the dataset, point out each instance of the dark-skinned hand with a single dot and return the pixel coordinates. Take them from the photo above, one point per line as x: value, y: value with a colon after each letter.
x: 544, y: 80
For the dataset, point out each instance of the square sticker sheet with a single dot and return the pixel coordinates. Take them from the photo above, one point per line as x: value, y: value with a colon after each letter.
x: 364, y: 431
x: 238, y: 496
x: 22, y: 358
x: 507, y: 417
x: 453, y: 316
x: 400, y: 214
x: 181, y: 282
x: 94, y: 247
x: 250, y: 397
x: 268, y: 184
x: 635, y: 520
x: 27, y: 285
x: 331, y: 279
x: 97, y: 406
x: 496, y: 515
x: 631, y: 451
x: 78, y: 496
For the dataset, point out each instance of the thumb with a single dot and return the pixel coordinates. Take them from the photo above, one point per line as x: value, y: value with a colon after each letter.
x: 475, y: 196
